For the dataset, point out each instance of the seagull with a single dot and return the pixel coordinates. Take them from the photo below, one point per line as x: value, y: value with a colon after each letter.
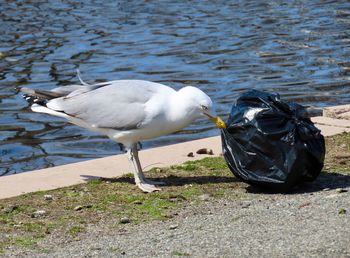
x: 127, y: 111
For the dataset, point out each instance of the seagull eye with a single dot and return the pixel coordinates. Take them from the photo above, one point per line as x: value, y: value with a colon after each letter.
x: 205, y: 108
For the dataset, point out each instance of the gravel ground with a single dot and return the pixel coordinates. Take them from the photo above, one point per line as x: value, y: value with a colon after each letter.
x: 314, y: 222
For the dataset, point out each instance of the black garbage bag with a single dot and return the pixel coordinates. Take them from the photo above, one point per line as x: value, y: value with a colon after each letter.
x: 271, y: 143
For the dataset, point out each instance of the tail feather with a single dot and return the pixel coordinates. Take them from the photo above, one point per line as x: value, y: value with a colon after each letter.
x: 40, y: 97
x: 34, y: 100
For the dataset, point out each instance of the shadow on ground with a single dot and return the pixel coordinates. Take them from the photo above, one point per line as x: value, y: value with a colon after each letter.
x: 323, y: 182
x: 171, y: 180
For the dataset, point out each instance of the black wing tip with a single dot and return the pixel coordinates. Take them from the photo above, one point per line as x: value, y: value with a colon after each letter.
x: 34, y: 100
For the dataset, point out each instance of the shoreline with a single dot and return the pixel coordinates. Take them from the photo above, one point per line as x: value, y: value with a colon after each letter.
x: 335, y: 120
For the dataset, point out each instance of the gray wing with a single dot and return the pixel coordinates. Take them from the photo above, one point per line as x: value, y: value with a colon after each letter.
x: 75, y: 89
x: 119, y: 105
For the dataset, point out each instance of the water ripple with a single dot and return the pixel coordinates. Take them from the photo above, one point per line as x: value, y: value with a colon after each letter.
x: 299, y: 49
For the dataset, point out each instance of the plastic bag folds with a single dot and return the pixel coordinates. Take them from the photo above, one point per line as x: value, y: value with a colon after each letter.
x: 271, y: 143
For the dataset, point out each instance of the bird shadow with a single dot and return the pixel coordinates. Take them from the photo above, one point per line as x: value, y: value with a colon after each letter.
x: 170, y: 180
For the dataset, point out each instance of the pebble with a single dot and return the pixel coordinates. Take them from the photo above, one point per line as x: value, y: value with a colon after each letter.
x: 39, y: 213
x: 205, y: 151
x: 303, y: 205
x: 204, y: 197
x: 78, y: 208
x: 173, y: 226
x: 245, y: 205
x: 48, y: 197
x: 341, y: 190
x: 124, y: 220
x: 190, y: 155
x: 158, y: 170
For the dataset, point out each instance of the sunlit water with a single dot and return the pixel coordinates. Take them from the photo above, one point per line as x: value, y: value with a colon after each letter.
x: 300, y: 49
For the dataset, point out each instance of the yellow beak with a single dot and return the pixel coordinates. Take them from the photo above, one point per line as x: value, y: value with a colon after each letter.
x: 217, y: 120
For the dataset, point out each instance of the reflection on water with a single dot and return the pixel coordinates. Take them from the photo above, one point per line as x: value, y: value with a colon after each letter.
x: 300, y: 49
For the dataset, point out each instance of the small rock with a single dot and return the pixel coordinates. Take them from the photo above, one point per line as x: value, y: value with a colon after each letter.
x: 48, y: 197
x: 245, y: 205
x: 342, y: 211
x: 124, y: 220
x: 39, y: 214
x: 174, y: 226
x: 190, y: 155
x: 78, y: 208
x: 341, y: 190
x: 204, y: 197
x: 326, y: 189
x: 205, y: 151
x: 304, y: 205
x: 158, y: 170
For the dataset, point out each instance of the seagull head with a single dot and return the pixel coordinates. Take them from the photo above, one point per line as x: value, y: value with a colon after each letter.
x: 201, y: 105
x: 216, y: 119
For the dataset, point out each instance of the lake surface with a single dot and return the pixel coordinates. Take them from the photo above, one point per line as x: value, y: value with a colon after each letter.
x: 300, y: 49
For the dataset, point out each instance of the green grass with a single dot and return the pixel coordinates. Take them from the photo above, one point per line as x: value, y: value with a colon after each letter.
x: 26, y: 241
x: 338, y: 154
x: 178, y: 253
x: 112, y: 199
x: 75, y: 230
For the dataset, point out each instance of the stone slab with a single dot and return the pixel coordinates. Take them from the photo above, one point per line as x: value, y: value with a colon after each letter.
x: 340, y: 112
x: 113, y: 166
x: 321, y: 120
x: 327, y: 130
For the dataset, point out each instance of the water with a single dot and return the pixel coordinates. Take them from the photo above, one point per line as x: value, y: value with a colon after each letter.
x: 300, y: 49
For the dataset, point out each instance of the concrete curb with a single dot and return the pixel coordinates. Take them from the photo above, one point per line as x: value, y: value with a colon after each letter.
x: 114, y: 166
